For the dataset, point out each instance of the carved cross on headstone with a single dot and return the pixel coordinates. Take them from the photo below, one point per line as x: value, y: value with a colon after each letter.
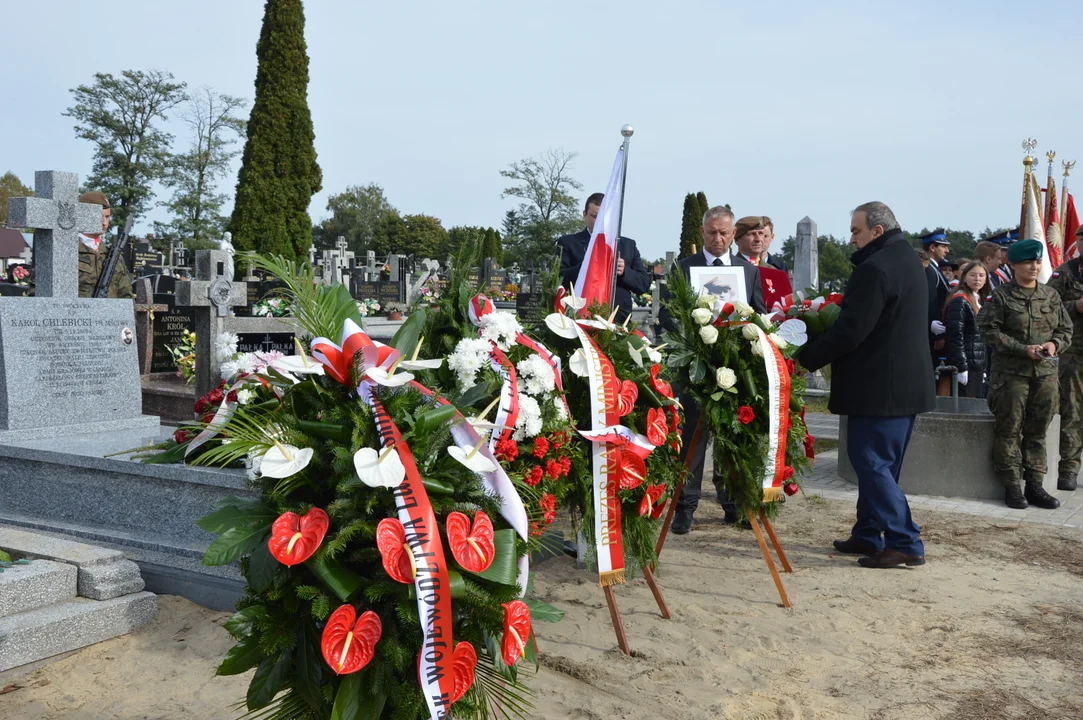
x: 212, y: 295
x: 145, y: 307
x: 57, y: 217
x: 27, y: 255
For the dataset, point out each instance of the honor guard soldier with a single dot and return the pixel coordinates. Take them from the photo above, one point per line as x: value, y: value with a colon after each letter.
x: 93, y: 253
x: 1067, y: 280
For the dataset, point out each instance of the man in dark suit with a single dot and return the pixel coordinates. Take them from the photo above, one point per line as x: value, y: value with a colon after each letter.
x: 632, y: 275
x: 881, y: 378
x: 718, y: 232
x: 936, y: 245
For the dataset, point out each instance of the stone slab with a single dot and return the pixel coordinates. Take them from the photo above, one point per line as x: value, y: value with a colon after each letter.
x: 42, y: 582
x: 61, y: 627
x: 67, y: 362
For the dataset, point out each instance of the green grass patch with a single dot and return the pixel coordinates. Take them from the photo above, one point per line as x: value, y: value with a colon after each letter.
x: 823, y: 444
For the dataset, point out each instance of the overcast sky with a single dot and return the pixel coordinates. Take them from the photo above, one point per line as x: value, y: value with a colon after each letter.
x: 779, y: 108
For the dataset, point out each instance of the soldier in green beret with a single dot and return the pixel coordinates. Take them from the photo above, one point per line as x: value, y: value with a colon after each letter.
x: 1027, y: 326
x: 1067, y: 280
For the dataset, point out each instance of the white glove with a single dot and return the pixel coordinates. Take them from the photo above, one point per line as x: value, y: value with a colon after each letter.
x: 938, y: 327
x: 963, y: 377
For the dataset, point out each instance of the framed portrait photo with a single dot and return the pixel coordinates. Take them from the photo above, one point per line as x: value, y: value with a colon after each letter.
x: 723, y: 281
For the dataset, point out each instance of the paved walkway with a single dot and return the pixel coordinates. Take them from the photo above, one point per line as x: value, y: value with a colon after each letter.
x: 824, y: 481
x: 822, y: 425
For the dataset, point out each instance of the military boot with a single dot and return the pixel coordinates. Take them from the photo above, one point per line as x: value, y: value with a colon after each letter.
x: 1066, y: 481
x: 1036, y: 495
x: 1013, y: 497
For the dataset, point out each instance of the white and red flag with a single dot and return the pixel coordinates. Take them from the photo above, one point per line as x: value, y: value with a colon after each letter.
x: 595, y: 281
x: 1033, y: 228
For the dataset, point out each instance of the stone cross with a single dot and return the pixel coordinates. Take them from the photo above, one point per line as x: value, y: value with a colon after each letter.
x: 145, y: 307
x: 212, y: 294
x: 806, y: 265
x: 312, y: 255
x: 57, y: 217
x: 27, y: 255
x: 370, y: 266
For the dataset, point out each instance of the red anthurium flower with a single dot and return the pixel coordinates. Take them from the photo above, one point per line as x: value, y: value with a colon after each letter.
x: 626, y: 399
x: 516, y: 631
x: 834, y: 298
x: 463, y: 662
x: 295, y: 538
x: 790, y: 488
x: 349, y: 642
x: 660, y: 385
x: 472, y: 548
x: 631, y: 469
x: 658, y: 510
x: 657, y: 426
x: 396, y: 553
x: 650, y: 497
x: 746, y: 414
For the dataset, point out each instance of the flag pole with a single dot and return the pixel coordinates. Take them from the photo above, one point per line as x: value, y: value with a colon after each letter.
x: 1064, y: 195
x: 1028, y: 146
x: 627, y: 132
x: 1050, y: 196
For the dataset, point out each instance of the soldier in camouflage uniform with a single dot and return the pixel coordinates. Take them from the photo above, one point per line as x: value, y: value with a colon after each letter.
x: 1027, y: 326
x: 1068, y: 282
x: 93, y: 254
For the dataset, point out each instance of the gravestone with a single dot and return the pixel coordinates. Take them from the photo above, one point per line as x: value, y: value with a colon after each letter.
x: 145, y: 312
x: 169, y: 328
x: 145, y: 260
x: 211, y: 295
x: 494, y: 278
x: 68, y: 365
x: 806, y: 264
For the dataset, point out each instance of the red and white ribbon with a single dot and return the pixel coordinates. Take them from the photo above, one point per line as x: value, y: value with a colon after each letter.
x: 778, y: 413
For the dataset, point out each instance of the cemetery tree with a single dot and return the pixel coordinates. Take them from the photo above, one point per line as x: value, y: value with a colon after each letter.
x: 962, y: 242
x: 426, y: 237
x: 196, y: 206
x: 549, y: 209
x: 356, y: 213
x: 465, y: 237
x: 491, y: 246
x: 691, y: 222
x: 11, y: 186
x: 701, y: 199
x: 279, y: 173
x: 120, y: 116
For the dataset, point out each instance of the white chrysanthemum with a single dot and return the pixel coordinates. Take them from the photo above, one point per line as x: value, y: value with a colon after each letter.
x: 500, y: 328
x: 225, y: 346
x: 749, y: 332
x: 709, y: 334
x: 562, y: 411
x: 228, y: 369
x: 536, y: 377
x: 725, y: 377
x: 743, y: 309
x: 469, y: 358
x: 702, y: 316
x: 529, y: 422
x: 244, y: 396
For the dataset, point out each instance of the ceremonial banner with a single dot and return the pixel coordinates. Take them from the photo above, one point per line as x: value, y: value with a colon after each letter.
x: 1033, y: 227
x: 1052, y: 226
x: 1071, y: 226
x: 595, y: 281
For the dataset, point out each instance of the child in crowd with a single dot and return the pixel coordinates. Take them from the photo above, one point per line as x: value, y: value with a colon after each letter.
x: 966, y: 349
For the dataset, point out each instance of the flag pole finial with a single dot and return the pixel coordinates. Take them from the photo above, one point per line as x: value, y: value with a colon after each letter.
x: 1067, y: 165
x: 627, y: 131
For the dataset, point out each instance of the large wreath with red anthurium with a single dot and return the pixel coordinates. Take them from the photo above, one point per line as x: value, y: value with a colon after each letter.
x: 383, y: 553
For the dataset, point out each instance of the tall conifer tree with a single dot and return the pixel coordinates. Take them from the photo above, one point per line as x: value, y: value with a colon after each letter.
x: 691, y: 221
x: 279, y: 173
x: 704, y: 206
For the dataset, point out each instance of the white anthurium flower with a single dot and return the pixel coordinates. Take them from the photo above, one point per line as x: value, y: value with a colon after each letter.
x: 654, y: 355
x: 573, y: 302
x: 743, y: 309
x: 756, y: 349
x: 421, y: 364
x: 725, y: 377
x: 601, y: 323
x: 381, y: 376
x: 778, y: 340
x: 282, y: 461
x: 297, y: 365
x: 817, y: 303
x: 578, y: 363
x: 793, y: 331
x: 748, y: 332
x: 471, y: 458
x: 702, y: 316
x: 382, y: 469
x: 561, y: 325
x: 709, y: 334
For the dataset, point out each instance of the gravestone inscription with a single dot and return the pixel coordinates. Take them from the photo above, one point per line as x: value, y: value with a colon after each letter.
x: 169, y: 329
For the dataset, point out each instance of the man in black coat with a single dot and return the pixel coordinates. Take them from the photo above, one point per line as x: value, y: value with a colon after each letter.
x: 718, y: 232
x: 632, y: 275
x: 937, y: 246
x: 881, y: 378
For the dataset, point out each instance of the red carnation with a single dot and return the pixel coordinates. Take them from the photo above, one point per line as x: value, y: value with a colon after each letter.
x: 207, y: 418
x: 232, y: 396
x: 558, y: 439
x: 548, y: 505
x: 182, y: 436
x: 552, y: 470
x: 536, y: 529
x: 534, y: 476
x: 541, y: 447
x: 565, y: 465
x: 507, y: 450
x: 215, y: 397
x: 201, y: 405
x: 787, y: 473
x: 746, y: 414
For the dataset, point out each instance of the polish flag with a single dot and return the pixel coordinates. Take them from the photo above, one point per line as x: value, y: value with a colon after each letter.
x: 1071, y: 226
x: 595, y: 281
x: 1032, y: 224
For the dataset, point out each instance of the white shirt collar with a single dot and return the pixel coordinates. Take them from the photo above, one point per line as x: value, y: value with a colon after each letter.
x: 92, y: 243
x: 711, y: 258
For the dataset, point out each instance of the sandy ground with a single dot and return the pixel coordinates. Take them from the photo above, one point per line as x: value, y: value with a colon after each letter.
x: 990, y: 628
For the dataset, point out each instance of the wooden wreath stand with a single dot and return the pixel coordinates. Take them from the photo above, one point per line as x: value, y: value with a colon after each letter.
x: 751, y: 519
x: 614, y: 612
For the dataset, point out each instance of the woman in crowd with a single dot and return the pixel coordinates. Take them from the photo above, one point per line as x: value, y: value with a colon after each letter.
x: 966, y: 349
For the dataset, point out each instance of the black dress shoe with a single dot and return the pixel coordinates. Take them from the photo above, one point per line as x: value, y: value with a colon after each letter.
x: 682, y: 524
x: 1066, y: 481
x: 853, y: 546
x: 891, y: 558
x: 1038, y: 497
x: 1013, y: 498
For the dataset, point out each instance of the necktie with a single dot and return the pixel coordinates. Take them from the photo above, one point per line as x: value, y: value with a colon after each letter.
x: 717, y: 261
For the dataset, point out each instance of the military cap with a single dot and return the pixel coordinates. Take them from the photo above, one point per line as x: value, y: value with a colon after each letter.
x: 1026, y: 250
x: 747, y: 224
x: 938, y: 237
x: 94, y: 197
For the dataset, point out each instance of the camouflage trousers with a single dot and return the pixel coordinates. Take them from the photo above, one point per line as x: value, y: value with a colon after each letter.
x: 1022, y: 409
x: 1071, y: 413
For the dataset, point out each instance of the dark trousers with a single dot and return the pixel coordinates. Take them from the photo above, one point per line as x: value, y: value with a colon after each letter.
x: 693, y: 480
x: 876, y: 446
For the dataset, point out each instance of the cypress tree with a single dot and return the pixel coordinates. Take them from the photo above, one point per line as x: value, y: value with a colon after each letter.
x: 704, y: 206
x: 279, y: 173
x: 492, y: 247
x: 691, y: 221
